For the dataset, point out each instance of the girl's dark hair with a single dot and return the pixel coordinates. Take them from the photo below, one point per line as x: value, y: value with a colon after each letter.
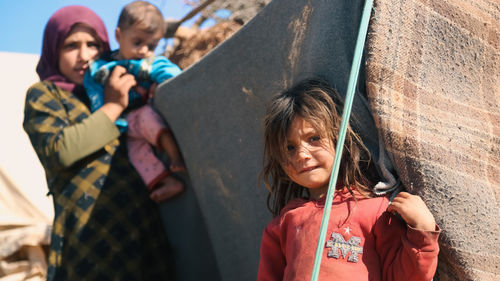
x: 320, y: 104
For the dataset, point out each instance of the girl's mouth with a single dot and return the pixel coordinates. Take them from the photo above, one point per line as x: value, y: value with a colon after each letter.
x: 308, y: 169
x: 81, y: 70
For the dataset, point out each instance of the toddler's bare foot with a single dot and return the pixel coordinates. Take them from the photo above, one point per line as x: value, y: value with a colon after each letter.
x: 167, y: 188
x: 177, y: 166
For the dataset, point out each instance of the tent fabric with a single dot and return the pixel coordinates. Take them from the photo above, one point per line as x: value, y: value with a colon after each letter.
x: 215, y: 109
x: 23, y: 231
x: 433, y: 84
x: 15, y: 208
x: 431, y: 102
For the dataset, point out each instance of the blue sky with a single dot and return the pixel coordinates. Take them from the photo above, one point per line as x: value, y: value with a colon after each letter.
x: 22, y: 21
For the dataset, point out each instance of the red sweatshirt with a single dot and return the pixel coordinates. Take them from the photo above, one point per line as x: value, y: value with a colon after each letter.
x: 371, y: 244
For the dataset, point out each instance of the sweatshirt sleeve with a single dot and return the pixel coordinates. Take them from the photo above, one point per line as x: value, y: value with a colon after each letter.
x: 406, y: 253
x: 61, y: 129
x: 272, y: 260
x: 163, y: 69
x: 86, y: 137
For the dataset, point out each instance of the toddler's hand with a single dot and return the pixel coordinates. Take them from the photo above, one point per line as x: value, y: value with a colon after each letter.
x: 146, y: 93
x: 413, y: 210
x: 152, y: 90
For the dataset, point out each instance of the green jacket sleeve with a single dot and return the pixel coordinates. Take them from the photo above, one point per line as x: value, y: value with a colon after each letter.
x: 61, y: 128
x: 86, y: 137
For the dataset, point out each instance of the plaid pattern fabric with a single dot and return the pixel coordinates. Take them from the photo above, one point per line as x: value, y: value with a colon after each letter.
x: 105, y: 226
x: 433, y: 85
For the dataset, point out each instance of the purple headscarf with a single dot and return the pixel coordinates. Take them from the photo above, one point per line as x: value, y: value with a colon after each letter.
x: 55, y: 33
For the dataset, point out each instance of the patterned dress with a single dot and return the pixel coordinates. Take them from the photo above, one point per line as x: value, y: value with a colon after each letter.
x: 105, y: 226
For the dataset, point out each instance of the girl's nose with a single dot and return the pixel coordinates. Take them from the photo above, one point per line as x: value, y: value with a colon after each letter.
x: 86, y: 53
x: 303, y: 152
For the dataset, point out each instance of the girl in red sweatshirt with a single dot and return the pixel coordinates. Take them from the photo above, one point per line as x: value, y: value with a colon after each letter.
x: 366, y: 239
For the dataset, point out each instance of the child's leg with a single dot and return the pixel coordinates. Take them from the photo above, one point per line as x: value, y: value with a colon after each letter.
x: 155, y: 131
x: 159, y: 181
x: 167, y: 142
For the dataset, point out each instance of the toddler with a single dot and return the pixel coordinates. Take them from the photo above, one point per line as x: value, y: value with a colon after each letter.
x: 140, y: 28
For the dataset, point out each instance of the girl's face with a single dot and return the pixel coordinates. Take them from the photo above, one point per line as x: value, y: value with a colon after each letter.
x: 310, y: 157
x: 76, y: 51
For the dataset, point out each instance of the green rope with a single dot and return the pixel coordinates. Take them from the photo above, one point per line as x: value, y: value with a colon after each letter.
x: 353, y: 78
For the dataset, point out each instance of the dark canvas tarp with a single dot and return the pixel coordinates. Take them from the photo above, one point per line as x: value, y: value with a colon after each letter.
x: 215, y: 109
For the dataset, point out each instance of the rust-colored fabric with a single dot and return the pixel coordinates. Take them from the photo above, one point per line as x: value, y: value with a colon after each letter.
x: 433, y: 86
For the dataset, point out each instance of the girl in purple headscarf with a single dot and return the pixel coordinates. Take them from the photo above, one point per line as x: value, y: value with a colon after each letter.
x: 105, y: 227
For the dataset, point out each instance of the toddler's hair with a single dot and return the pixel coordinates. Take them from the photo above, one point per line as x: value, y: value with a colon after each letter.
x: 319, y: 104
x: 143, y: 15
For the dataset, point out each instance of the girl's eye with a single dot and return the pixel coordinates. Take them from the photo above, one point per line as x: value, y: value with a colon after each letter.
x: 151, y: 47
x: 93, y: 45
x: 137, y: 43
x: 315, y: 138
x: 71, y: 45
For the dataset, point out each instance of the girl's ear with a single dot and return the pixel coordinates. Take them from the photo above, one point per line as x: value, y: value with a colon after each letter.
x: 118, y: 34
